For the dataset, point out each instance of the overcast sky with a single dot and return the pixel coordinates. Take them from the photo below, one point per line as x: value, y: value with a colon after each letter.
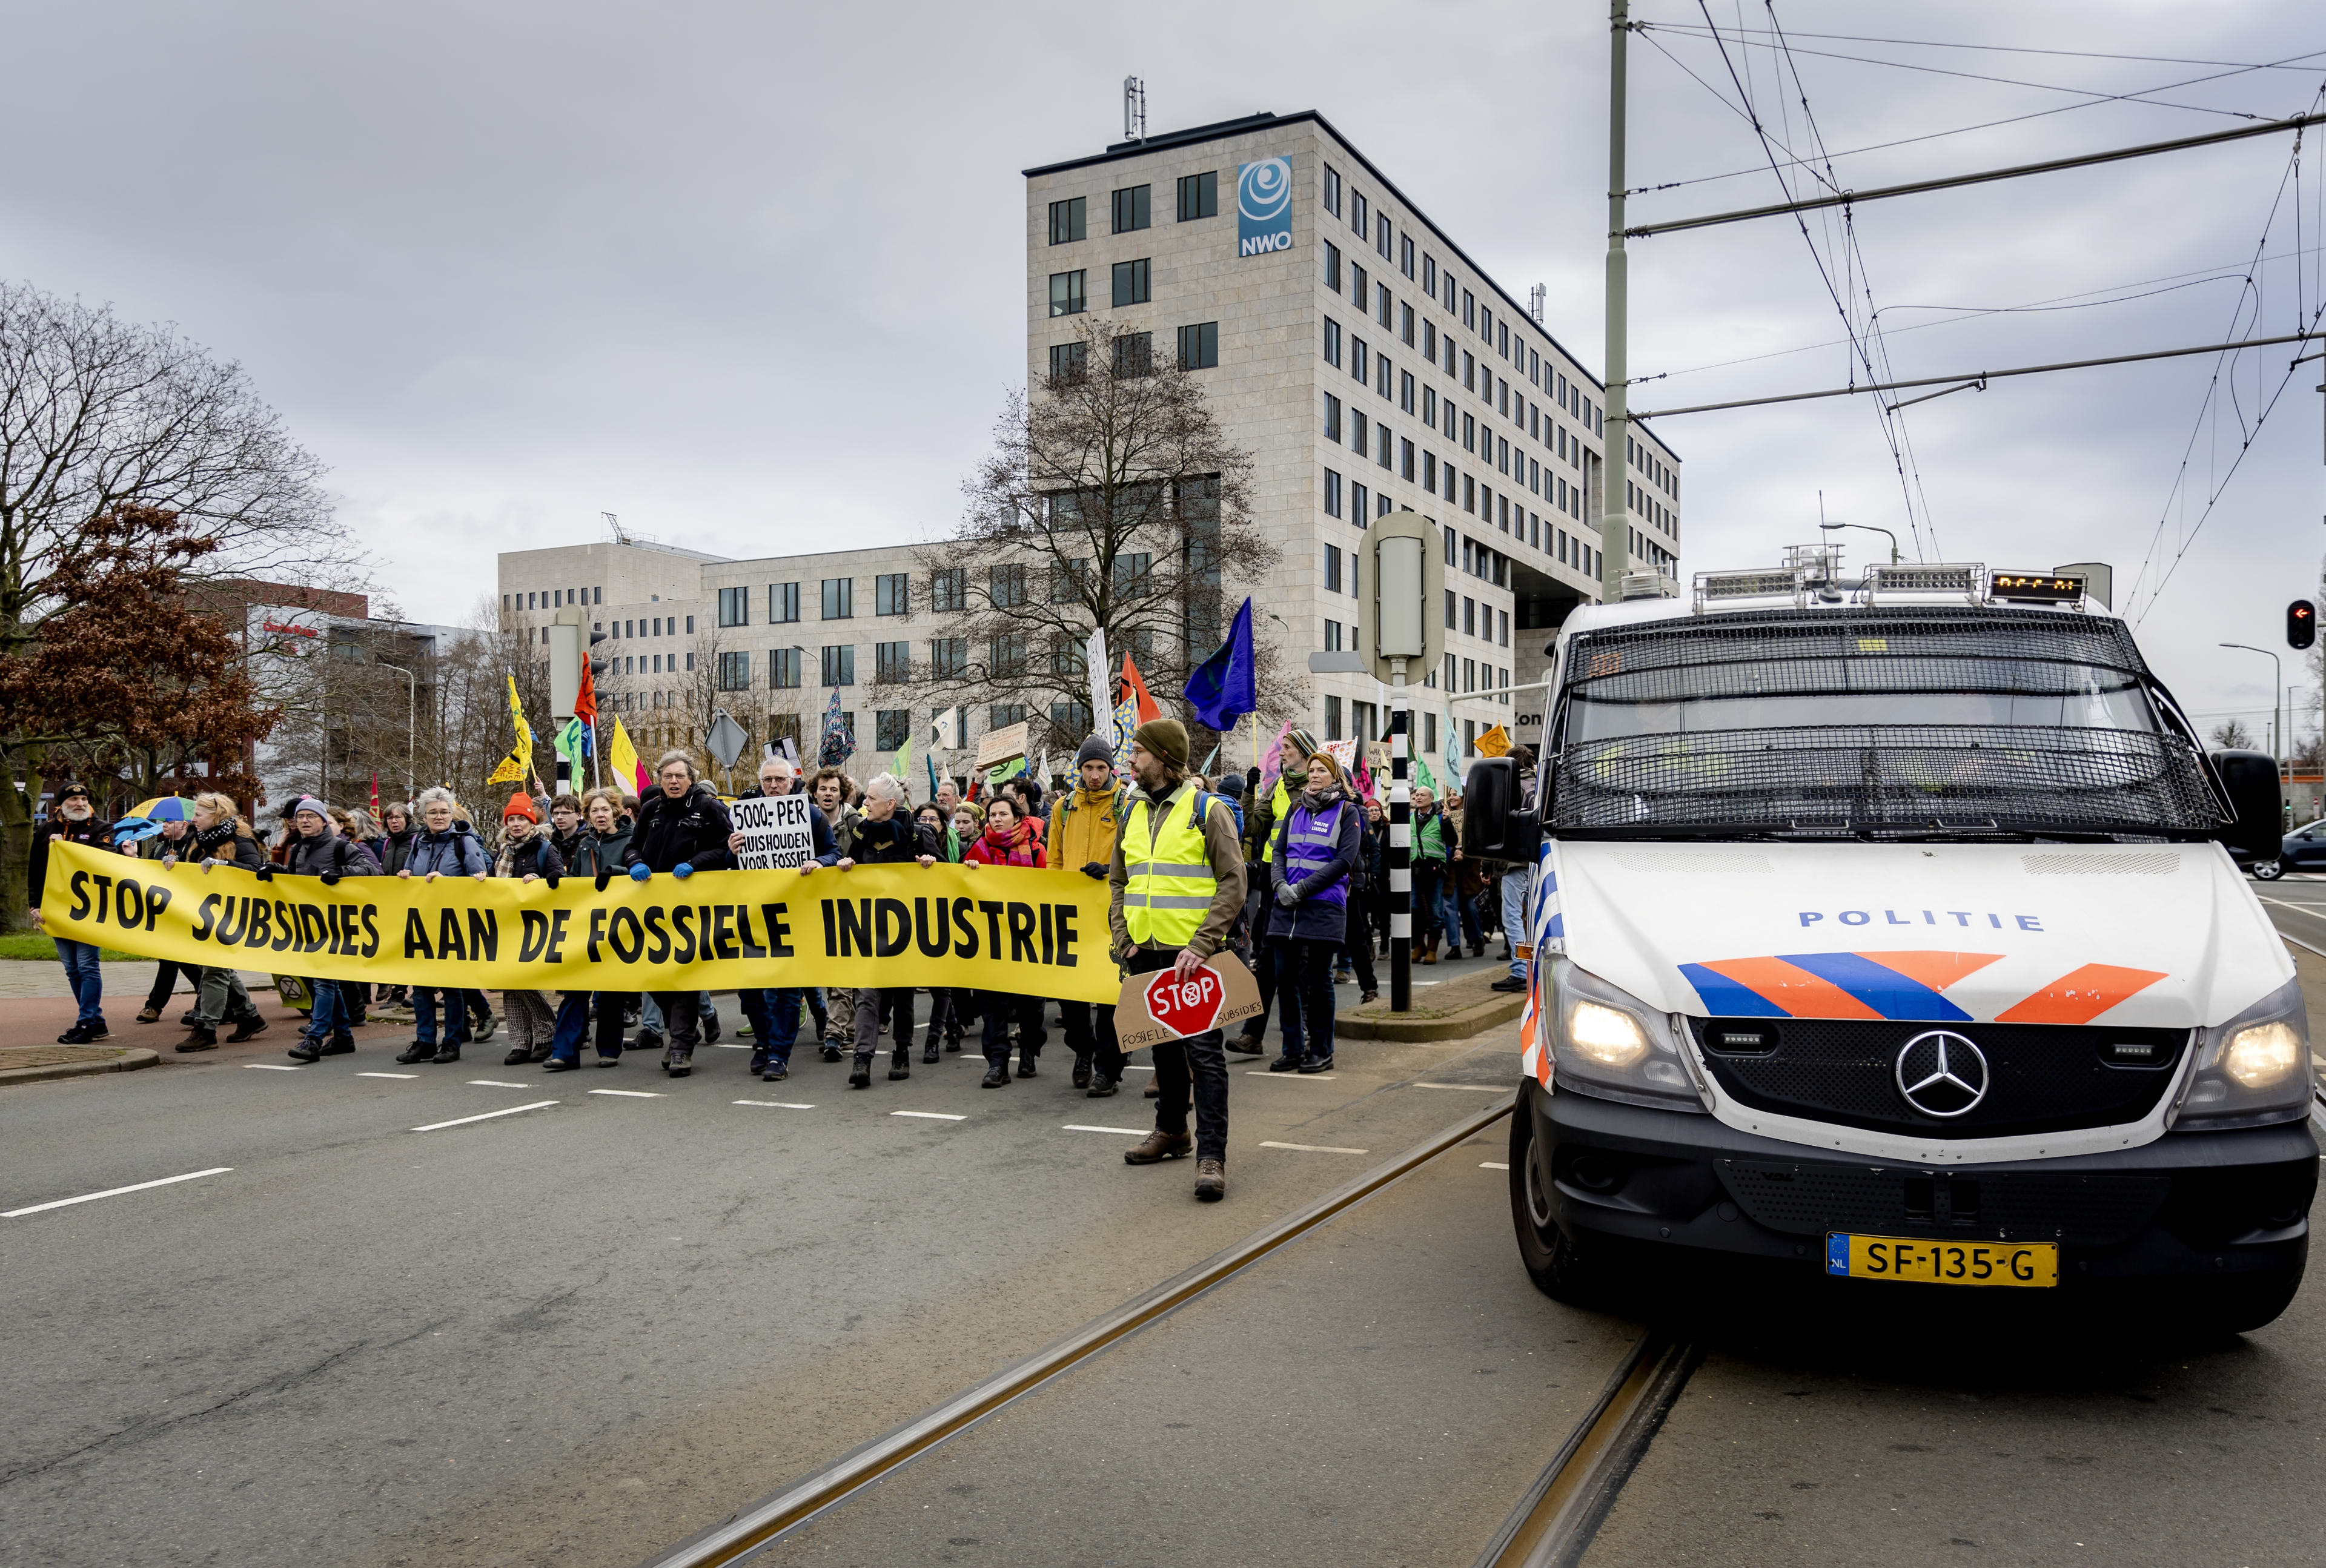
x: 750, y: 276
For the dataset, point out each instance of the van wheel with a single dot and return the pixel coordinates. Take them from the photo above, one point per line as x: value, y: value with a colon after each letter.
x: 2241, y: 1304
x: 1552, y: 1260
x: 2268, y: 870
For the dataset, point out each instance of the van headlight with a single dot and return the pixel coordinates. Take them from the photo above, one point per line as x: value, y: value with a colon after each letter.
x: 1607, y: 1042
x: 2252, y: 1069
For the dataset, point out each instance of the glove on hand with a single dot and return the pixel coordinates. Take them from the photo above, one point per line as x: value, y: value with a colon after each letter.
x: 639, y: 873
x: 552, y: 881
x: 330, y: 879
x: 1292, y: 894
x: 604, y: 877
x: 1094, y: 871
x: 682, y: 870
x: 265, y: 873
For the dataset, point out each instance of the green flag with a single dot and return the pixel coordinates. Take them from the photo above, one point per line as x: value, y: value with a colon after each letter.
x: 570, y: 744
x: 904, y: 758
x: 1422, y: 775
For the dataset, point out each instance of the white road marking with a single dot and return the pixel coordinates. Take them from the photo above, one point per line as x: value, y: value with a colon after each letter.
x: 495, y: 1084
x: 387, y: 1075
x: 629, y: 1093
x: 116, y: 1191
x: 929, y: 1115
x: 1128, y: 1067
x: 464, y: 1120
x: 1313, y: 1148
x: 1465, y: 1088
x: 777, y: 1104
x: 1135, y: 1132
x: 1492, y: 1165
x: 1311, y: 1077
x: 723, y: 1045
x: 270, y: 1066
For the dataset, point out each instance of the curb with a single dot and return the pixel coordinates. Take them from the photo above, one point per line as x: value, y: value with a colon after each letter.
x: 1505, y: 1008
x: 126, y: 1062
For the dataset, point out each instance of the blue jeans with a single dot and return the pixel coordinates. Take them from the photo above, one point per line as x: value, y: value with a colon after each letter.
x: 423, y: 1009
x: 79, y: 959
x: 775, y: 1015
x: 1459, y: 917
x: 331, y: 1014
x: 572, y: 1026
x: 1515, y: 929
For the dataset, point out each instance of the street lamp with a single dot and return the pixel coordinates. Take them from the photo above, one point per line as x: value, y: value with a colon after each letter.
x: 2276, y: 737
x: 411, y: 728
x: 1869, y: 528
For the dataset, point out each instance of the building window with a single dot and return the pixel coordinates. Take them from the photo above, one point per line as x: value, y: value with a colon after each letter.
x: 1131, y: 284
x: 1066, y: 580
x: 1006, y: 656
x: 1331, y: 494
x: 839, y: 598
x: 949, y: 588
x: 892, y: 662
x: 1134, y: 354
x: 734, y: 606
x: 1469, y: 371
x: 1469, y: 310
x: 1360, y: 214
x: 1332, y: 569
x: 948, y: 657
x: 1068, y: 295
x: 783, y: 668
x: 1383, y: 236
x: 783, y: 601
x: 1130, y: 209
x: 1332, y: 266
x: 1071, y: 717
x: 1469, y: 433
x: 1067, y: 220
x: 1405, y: 256
x: 689, y: 629
x: 1381, y: 374
x: 1357, y: 504
x: 891, y: 728
x: 1405, y: 460
x: 892, y: 594
x: 1429, y: 274
x: 1451, y: 598
x: 1357, y: 432
x: 1405, y: 390
x: 1332, y: 719
x: 1003, y: 715
x: 1332, y: 341
x: 1429, y: 472
x: 1332, y: 190
x: 1134, y: 574
x: 1199, y: 346
x: 1357, y: 292
x: 1069, y: 361
x: 1332, y: 418
x: 1405, y: 324
x: 1006, y: 585
x: 1381, y: 445
x: 735, y: 672
x: 839, y: 665
x: 1199, y: 196
x: 1503, y: 619
x: 1333, y: 641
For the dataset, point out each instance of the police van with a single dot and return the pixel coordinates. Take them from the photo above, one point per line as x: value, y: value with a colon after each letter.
x: 1886, y: 927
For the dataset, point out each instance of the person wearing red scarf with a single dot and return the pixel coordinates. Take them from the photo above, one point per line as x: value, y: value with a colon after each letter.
x: 1008, y: 840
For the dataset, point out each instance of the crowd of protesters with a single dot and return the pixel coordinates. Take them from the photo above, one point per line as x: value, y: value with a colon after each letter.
x: 1294, y: 880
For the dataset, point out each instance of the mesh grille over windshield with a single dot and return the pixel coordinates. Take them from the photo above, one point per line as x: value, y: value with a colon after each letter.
x: 1869, y: 775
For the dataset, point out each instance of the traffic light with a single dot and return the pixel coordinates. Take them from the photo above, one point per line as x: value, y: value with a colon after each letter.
x: 2301, y: 624
x: 597, y: 664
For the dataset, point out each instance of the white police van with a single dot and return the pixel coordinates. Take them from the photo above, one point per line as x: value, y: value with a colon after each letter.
x: 1884, y: 927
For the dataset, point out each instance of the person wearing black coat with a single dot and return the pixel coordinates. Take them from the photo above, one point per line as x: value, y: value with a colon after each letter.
x: 885, y: 835
x: 222, y: 837
x: 682, y: 828
x: 319, y: 851
x: 600, y: 847
x: 73, y: 819
x: 774, y: 1011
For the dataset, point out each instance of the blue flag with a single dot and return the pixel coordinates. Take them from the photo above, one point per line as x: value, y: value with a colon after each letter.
x: 1222, y: 689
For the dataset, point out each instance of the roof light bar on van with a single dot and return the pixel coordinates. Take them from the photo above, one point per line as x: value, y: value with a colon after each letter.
x: 2036, y: 588
x: 1767, y: 582
x: 1968, y: 580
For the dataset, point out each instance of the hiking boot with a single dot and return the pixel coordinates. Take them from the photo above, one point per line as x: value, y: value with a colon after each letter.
x: 418, y: 1050
x: 199, y: 1039
x: 1102, y: 1087
x: 647, y: 1040
x: 1368, y: 996
x: 1248, y: 1043
x: 997, y: 1076
x: 1082, y: 1069
x: 1156, y: 1146
x: 829, y: 1052
x: 149, y: 1014
x: 485, y: 1025
x: 711, y: 1028
x: 1025, y: 1065
x: 863, y: 1077
x: 900, y: 1064
x: 1316, y: 1064
x: 541, y: 1052
x: 677, y: 1061
x: 929, y: 1056
x: 953, y: 1042
x: 518, y: 1056
x: 253, y: 1025
x: 305, y: 1051
x: 1211, y: 1180
x: 340, y: 1045
x: 1154, y: 1091
x: 759, y: 1061
x: 446, y: 1054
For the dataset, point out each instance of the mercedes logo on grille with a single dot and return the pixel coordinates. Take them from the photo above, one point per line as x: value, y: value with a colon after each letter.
x: 1941, y: 1074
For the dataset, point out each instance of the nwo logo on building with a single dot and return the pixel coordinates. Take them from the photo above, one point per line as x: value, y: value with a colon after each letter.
x: 1264, y: 207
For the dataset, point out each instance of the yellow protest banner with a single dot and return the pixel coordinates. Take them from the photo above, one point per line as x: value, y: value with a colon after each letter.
x: 996, y: 928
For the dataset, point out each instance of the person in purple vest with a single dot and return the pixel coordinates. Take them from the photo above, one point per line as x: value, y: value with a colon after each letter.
x: 1317, y: 845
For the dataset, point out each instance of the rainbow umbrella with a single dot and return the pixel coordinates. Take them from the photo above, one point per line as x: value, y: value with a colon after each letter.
x: 166, y: 809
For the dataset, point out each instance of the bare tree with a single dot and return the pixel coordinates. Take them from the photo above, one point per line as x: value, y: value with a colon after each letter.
x: 1112, y: 499
x: 97, y: 414
x: 2233, y: 736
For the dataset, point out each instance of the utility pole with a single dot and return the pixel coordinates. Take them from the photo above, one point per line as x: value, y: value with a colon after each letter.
x: 1614, y: 505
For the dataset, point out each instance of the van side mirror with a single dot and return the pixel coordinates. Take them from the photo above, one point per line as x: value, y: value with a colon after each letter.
x: 1497, y: 824
x: 2250, y: 777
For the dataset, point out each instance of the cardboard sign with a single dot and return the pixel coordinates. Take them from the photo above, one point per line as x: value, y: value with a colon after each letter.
x: 775, y: 832
x: 1002, y: 744
x: 1161, y: 1007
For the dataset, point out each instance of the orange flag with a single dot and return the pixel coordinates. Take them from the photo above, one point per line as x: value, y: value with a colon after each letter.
x: 1146, y: 707
x: 585, y: 701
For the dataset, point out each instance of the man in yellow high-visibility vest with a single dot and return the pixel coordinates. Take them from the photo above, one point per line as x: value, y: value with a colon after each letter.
x: 1178, y: 882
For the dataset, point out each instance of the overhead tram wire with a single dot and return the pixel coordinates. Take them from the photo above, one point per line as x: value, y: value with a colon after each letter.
x: 1691, y: 28
x: 2289, y: 62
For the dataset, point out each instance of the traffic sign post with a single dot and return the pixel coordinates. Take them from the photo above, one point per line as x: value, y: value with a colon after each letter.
x: 1397, y: 630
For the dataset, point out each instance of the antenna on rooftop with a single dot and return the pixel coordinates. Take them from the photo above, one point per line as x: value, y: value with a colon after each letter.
x: 1535, y: 297
x: 615, y: 523
x: 1134, y: 109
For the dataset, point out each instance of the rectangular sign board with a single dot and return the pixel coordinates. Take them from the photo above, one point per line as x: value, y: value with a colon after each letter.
x: 1002, y: 744
x: 776, y: 836
x: 1160, y: 1006
x: 1264, y: 207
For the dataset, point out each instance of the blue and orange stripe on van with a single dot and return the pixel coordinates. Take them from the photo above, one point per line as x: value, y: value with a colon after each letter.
x: 1836, y: 985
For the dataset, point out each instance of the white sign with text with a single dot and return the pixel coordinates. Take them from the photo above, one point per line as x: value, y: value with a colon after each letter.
x: 775, y: 832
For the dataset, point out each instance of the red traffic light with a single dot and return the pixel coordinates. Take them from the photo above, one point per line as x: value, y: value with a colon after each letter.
x: 2301, y: 624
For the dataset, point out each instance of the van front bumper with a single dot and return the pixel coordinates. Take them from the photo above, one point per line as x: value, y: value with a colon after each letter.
x: 2186, y: 1204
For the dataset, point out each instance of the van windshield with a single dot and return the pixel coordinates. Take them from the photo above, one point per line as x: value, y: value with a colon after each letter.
x: 1916, y: 721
